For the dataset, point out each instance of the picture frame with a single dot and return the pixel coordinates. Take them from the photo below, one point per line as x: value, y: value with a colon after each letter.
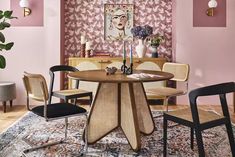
x: 118, y: 21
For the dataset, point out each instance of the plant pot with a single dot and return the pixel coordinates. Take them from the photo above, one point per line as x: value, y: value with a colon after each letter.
x: 155, y: 55
x: 141, y: 49
x: 153, y: 50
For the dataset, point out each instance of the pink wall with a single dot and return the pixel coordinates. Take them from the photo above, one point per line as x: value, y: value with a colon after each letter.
x: 201, y: 19
x: 208, y: 50
x: 35, y: 49
x: 34, y: 19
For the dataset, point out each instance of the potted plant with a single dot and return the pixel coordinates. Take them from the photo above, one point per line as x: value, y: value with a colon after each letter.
x: 154, y: 42
x: 5, y: 16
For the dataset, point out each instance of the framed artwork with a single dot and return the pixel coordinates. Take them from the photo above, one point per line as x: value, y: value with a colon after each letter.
x: 118, y: 21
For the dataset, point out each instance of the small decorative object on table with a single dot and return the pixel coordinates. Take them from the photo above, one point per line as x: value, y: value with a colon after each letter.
x: 130, y: 69
x: 88, y: 49
x: 101, y: 54
x: 110, y: 70
x: 127, y: 70
x: 124, y: 67
x: 83, y: 46
x: 141, y: 32
x: 154, y: 41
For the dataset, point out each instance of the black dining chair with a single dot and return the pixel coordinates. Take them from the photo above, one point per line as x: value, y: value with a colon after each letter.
x: 199, y: 120
x: 67, y: 94
x: 36, y: 89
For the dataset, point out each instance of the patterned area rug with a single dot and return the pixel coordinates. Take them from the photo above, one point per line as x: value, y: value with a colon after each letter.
x: 32, y: 130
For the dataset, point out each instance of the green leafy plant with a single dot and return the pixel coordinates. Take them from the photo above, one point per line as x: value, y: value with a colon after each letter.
x: 5, y: 16
x: 155, y: 40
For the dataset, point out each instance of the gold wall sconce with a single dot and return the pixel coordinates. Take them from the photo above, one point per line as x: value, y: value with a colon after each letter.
x: 25, y: 4
x: 212, y: 4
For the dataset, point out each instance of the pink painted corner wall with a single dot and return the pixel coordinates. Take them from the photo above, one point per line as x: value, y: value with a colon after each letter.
x: 36, y: 49
x: 200, y: 18
x: 208, y: 50
x: 34, y: 19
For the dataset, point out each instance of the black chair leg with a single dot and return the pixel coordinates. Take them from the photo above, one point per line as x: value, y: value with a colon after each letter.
x: 74, y: 101
x: 192, y: 138
x: 11, y: 102
x: 91, y: 98
x: 231, y: 138
x: 201, y: 151
x: 164, y: 136
x: 4, y: 103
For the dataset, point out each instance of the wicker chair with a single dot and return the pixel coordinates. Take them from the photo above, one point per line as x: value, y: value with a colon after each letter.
x: 199, y: 120
x: 67, y: 94
x: 36, y: 89
x: 181, y: 73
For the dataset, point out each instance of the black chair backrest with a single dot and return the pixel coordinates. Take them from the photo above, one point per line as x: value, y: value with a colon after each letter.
x: 218, y: 89
x: 60, y: 68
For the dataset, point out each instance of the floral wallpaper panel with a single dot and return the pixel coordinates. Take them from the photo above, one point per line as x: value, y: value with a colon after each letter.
x: 87, y: 16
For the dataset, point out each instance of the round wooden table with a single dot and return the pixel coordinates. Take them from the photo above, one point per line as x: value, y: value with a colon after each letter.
x: 120, y: 101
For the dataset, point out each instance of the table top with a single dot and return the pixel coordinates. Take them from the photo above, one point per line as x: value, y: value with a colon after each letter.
x: 118, y: 77
x: 5, y: 83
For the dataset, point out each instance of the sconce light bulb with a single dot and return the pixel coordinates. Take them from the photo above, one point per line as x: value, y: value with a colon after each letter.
x: 24, y: 3
x: 212, y: 4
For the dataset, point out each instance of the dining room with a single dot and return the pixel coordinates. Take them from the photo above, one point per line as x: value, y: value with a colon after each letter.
x: 130, y: 78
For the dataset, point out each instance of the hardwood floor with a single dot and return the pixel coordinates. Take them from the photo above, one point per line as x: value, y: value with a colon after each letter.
x: 11, y: 116
x: 17, y: 111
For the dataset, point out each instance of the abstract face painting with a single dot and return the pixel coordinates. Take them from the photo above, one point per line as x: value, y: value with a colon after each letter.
x: 118, y: 21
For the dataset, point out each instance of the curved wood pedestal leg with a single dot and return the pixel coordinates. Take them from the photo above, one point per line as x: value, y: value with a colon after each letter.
x: 129, y: 121
x: 120, y: 105
x: 104, y: 112
x: 145, y: 119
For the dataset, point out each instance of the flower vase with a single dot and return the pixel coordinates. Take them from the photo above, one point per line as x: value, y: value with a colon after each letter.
x: 141, y: 49
x: 153, y: 50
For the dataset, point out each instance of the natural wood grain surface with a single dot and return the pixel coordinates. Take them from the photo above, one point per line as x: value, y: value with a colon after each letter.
x: 104, y: 112
x: 118, y: 77
x: 217, y: 108
x: 125, y: 104
x: 11, y: 116
x: 107, y: 60
x: 95, y: 63
x: 121, y: 105
x: 145, y: 120
x: 70, y: 92
x: 204, y: 116
x: 128, y: 113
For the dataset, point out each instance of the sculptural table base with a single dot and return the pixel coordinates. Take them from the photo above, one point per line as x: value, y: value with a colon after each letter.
x: 121, y: 105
